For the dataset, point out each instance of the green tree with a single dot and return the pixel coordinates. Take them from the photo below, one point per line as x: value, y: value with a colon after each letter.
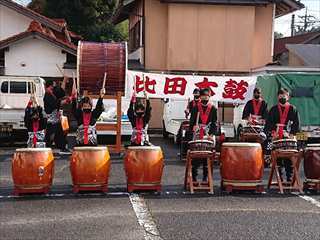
x: 89, y: 18
x: 278, y: 35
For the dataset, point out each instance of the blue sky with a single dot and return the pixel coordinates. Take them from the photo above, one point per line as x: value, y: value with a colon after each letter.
x: 282, y: 24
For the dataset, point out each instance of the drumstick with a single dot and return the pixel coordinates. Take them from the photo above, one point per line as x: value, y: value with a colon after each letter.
x: 74, y: 86
x: 104, y: 81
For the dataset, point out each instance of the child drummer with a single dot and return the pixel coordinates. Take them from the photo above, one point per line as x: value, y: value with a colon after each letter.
x: 35, y: 122
x: 203, y: 125
x: 139, y: 116
x: 193, y: 103
x: 283, y: 122
x: 255, y: 110
x: 87, y: 118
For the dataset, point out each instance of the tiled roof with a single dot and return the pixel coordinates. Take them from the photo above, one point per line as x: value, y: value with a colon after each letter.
x: 280, y: 44
x: 32, y: 14
x: 36, y: 29
x: 309, y: 53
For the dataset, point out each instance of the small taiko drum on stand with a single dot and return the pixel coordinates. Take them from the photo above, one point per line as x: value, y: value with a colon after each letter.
x: 201, y: 145
x: 251, y: 134
x: 32, y: 170
x: 285, y: 144
x: 90, y: 167
x: 144, y: 167
x: 312, y: 166
x: 242, y: 166
x: 96, y: 59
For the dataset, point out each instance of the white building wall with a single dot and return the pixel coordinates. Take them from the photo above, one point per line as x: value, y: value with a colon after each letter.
x: 39, y: 56
x: 12, y: 23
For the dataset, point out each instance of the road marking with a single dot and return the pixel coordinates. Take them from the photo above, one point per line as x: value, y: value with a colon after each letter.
x: 55, y: 195
x: 310, y: 200
x: 144, y: 217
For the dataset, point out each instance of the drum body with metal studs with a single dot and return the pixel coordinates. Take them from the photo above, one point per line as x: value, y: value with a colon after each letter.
x: 312, y: 162
x: 144, y: 167
x: 32, y: 170
x: 96, y: 59
x: 242, y: 164
x: 90, y: 167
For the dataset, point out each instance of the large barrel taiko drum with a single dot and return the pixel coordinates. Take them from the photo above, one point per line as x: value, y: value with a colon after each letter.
x: 144, y: 167
x: 96, y: 59
x: 242, y: 166
x: 312, y: 162
x: 32, y: 170
x: 90, y: 167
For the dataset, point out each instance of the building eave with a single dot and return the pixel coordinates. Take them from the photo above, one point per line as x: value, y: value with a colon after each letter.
x: 27, y: 35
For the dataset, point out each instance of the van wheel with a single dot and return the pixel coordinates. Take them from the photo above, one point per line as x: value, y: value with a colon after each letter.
x: 164, y: 131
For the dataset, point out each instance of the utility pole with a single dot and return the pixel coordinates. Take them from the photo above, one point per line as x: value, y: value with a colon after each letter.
x: 292, y: 25
x: 305, y: 25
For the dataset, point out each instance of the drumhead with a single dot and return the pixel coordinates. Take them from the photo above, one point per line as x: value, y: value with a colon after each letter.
x: 144, y: 148
x: 284, y: 140
x: 90, y: 148
x: 241, y: 144
x: 313, y: 146
x: 33, y: 150
x: 201, y: 141
x: 255, y: 126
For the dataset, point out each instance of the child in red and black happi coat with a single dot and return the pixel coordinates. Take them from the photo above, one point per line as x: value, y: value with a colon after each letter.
x: 87, y: 119
x: 35, y: 122
x: 203, y: 123
x: 139, y: 117
x: 283, y: 122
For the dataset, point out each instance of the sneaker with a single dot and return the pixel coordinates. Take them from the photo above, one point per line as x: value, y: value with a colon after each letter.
x: 65, y: 152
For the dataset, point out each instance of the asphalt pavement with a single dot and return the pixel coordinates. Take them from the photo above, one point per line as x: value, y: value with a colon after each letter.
x: 171, y: 214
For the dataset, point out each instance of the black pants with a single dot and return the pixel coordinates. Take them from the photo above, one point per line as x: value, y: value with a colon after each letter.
x: 287, y: 164
x: 196, y: 163
x: 55, y: 133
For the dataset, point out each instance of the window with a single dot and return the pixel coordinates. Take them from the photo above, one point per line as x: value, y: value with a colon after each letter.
x: 4, y: 87
x: 134, y: 37
x: 18, y: 87
x: 30, y: 86
x: 303, y: 92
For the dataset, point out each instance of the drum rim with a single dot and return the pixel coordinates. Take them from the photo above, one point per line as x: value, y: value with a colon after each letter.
x: 144, y: 147
x: 241, y: 144
x: 91, y: 148
x: 33, y: 150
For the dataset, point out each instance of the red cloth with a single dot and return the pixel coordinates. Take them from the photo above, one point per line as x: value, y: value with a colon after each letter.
x: 86, y: 122
x: 139, y: 127
x: 35, y: 128
x: 204, y: 117
x: 283, y: 117
x: 256, y: 106
x: 29, y: 103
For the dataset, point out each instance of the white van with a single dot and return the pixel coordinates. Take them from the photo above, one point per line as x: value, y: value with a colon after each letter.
x: 15, y: 93
x: 173, y: 116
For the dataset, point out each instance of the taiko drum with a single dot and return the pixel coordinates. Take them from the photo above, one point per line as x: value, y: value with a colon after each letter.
x: 242, y: 164
x: 32, y: 170
x: 144, y: 167
x: 90, y: 167
x: 96, y: 59
x: 312, y: 162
